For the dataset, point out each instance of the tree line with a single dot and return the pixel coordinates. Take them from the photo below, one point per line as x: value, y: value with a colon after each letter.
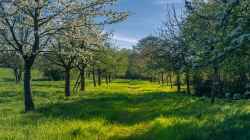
x: 68, y: 33
x: 205, y: 46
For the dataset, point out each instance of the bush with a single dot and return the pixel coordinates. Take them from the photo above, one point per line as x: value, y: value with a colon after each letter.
x: 247, y: 95
x: 228, y: 95
x: 202, y: 87
x: 237, y: 96
x: 53, y: 74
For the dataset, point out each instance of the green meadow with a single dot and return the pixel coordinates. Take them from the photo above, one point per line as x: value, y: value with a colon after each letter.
x: 125, y: 110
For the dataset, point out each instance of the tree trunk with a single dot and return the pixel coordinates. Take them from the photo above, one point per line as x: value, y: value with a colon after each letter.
x: 188, y: 82
x: 170, y: 80
x: 159, y: 79
x: 99, y: 74
x: 216, y: 83
x: 106, y: 79
x: 67, y: 82
x: 20, y: 73
x: 15, y: 70
x: 109, y: 78
x: 28, y: 62
x: 82, y: 80
x: 28, y: 102
x: 162, y: 78
x: 178, y: 82
x: 93, y: 74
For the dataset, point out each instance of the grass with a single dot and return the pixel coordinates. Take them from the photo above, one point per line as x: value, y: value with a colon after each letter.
x: 127, y: 110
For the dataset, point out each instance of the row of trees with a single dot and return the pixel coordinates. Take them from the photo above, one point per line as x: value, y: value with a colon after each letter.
x: 66, y: 32
x: 206, y: 46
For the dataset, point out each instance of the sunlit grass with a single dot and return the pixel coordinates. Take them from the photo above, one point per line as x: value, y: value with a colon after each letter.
x: 125, y: 110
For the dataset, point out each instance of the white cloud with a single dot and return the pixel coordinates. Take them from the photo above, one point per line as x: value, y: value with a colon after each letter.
x: 124, y: 41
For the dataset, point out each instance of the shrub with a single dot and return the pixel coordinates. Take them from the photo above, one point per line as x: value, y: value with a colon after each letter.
x: 53, y: 74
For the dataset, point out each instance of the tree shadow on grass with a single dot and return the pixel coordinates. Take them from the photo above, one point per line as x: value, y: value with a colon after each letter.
x: 6, y: 79
x: 178, y: 131
x: 129, y: 109
x: 122, y: 108
x: 9, y: 96
x: 236, y: 127
x: 47, y: 85
x: 113, y: 107
x: 6, y: 94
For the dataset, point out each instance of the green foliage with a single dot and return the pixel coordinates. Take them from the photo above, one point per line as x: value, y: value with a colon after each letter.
x: 53, y: 74
x: 216, y: 31
x: 143, y: 59
x: 112, y: 61
x: 29, y: 28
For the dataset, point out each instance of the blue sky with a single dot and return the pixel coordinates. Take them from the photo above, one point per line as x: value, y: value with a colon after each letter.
x: 146, y: 16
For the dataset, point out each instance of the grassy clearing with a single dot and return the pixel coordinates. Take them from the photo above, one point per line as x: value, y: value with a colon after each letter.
x: 127, y: 110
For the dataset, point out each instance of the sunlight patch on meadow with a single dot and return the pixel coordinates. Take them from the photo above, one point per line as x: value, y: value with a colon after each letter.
x: 125, y: 110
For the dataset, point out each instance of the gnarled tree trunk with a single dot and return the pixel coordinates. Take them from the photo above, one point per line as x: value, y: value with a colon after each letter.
x: 82, y: 79
x: 93, y: 74
x: 16, y: 73
x: 109, y: 78
x: 170, y: 80
x: 67, y: 82
x: 106, y: 79
x: 162, y: 78
x: 99, y: 74
x: 188, y: 82
x: 178, y: 81
x: 28, y: 101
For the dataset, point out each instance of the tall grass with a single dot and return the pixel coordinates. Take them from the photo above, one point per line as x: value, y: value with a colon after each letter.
x: 126, y: 110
